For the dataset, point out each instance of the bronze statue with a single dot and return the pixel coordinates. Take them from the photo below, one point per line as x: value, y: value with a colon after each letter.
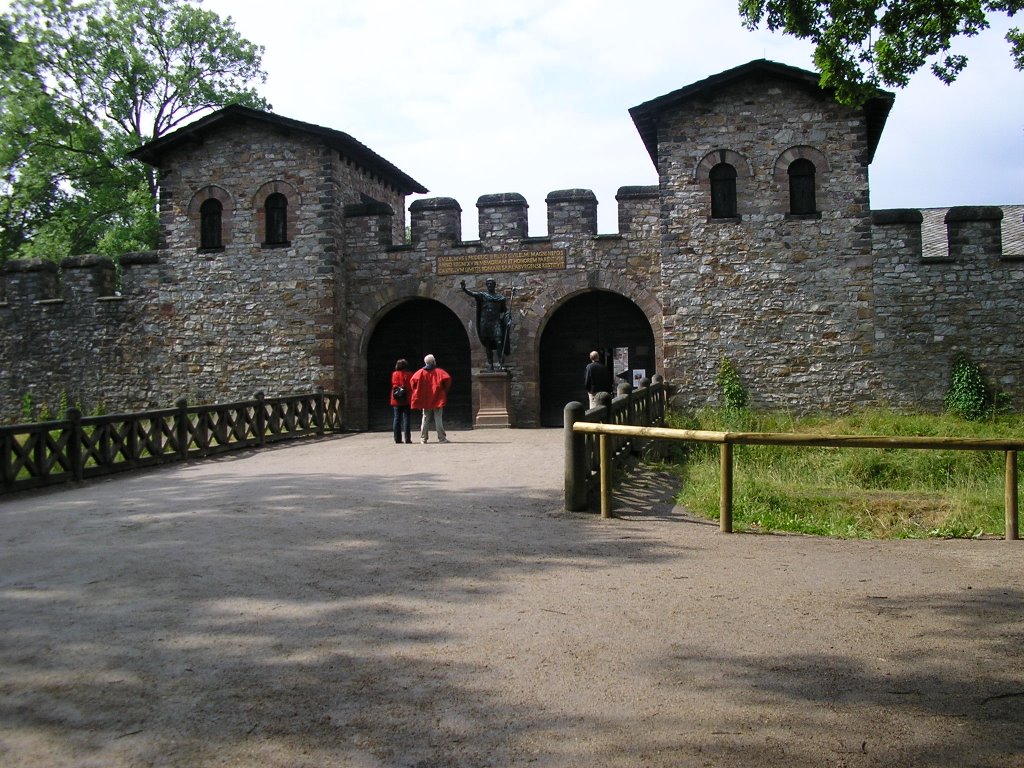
x: 493, y: 321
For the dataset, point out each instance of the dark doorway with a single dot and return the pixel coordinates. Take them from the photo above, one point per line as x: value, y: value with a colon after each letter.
x: 411, y: 330
x: 597, y: 320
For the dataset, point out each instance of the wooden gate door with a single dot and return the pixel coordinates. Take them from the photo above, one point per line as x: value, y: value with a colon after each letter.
x: 411, y: 330
x: 596, y: 320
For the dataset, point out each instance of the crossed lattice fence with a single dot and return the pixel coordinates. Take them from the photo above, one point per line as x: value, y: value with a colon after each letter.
x: 79, y: 447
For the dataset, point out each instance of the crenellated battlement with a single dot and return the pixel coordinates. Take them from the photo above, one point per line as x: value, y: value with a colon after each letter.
x: 572, y: 212
x: 436, y: 220
x: 940, y: 235
x: 935, y: 235
x: 76, y: 281
x: 30, y: 280
x: 503, y: 218
x: 974, y: 234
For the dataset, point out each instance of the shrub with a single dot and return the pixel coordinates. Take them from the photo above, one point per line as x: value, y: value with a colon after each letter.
x: 734, y: 394
x: 966, y: 397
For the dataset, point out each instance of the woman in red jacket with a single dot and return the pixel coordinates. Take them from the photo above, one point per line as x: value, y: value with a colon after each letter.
x: 400, y: 391
x: 430, y: 386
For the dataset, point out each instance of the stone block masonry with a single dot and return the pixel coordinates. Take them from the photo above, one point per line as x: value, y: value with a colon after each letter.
x: 67, y: 330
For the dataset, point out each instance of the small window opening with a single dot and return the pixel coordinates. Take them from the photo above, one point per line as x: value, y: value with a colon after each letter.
x: 210, y: 214
x: 801, y: 187
x: 276, y: 209
x: 723, y: 192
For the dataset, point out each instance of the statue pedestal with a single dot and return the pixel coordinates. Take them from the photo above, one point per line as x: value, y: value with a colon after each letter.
x: 494, y: 393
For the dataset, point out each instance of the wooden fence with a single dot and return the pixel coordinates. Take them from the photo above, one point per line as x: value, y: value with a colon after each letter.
x: 610, y: 432
x: 643, y: 407
x: 80, y: 447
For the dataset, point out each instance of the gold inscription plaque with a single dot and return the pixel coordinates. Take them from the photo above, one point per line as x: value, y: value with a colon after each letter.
x: 485, y: 263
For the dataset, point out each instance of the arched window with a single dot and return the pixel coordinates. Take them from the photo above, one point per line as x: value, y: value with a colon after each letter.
x: 210, y: 224
x: 801, y: 187
x: 276, y: 210
x: 723, y: 192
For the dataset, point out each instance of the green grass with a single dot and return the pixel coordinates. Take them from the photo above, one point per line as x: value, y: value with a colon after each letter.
x: 851, y: 492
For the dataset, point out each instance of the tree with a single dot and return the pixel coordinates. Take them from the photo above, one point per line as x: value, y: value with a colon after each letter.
x: 84, y: 83
x: 862, y: 44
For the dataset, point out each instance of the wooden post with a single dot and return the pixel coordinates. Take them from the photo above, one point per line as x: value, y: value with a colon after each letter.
x: 7, y: 459
x: 1010, y: 496
x: 75, y: 444
x: 156, y: 435
x: 575, y: 459
x: 260, y: 412
x: 181, y: 431
x: 103, y: 444
x: 202, y: 430
x: 725, y: 490
x: 606, y: 475
x: 320, y: 411
x: 131, y: 438
x: 38, y: 465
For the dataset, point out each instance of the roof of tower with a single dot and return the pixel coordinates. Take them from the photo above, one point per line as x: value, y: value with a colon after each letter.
x: 645, y: 116
x: 234, y: 114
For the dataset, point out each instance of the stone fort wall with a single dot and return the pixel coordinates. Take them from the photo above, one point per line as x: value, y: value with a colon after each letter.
x: 127, y: 344
x: 967, y: 295
x: 841, y: 308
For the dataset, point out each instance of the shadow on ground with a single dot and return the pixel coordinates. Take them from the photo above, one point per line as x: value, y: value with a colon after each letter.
x: 209, y: 620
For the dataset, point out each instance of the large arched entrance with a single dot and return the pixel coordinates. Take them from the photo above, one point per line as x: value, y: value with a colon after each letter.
x: 411, y: 330
x: 601, y: 320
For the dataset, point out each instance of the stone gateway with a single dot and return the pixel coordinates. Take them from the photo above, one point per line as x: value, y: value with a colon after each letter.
x: 284, y: 265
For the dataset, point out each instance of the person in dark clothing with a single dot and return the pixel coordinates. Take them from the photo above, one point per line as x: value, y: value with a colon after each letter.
x: 596, y: 379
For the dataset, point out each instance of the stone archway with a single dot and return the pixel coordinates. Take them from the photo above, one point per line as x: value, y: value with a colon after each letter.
x: 596, y: 319
x: 411, y: 330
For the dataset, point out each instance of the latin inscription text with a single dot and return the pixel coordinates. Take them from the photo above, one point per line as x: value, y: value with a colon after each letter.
x: 485, y: 263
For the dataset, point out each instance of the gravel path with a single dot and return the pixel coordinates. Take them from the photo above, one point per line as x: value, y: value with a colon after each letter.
x: 352, y: 602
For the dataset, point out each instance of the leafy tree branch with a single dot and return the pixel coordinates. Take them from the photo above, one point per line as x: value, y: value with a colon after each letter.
x: 84, y: 83
x: 863, y: 44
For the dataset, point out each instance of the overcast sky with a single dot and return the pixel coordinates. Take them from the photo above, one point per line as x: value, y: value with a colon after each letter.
x: 472, y: 98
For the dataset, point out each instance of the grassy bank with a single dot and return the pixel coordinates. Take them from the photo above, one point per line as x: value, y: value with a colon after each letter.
x: 851, y: 492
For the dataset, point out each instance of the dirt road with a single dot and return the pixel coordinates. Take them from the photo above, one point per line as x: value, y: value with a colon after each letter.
x: 353, y: 602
